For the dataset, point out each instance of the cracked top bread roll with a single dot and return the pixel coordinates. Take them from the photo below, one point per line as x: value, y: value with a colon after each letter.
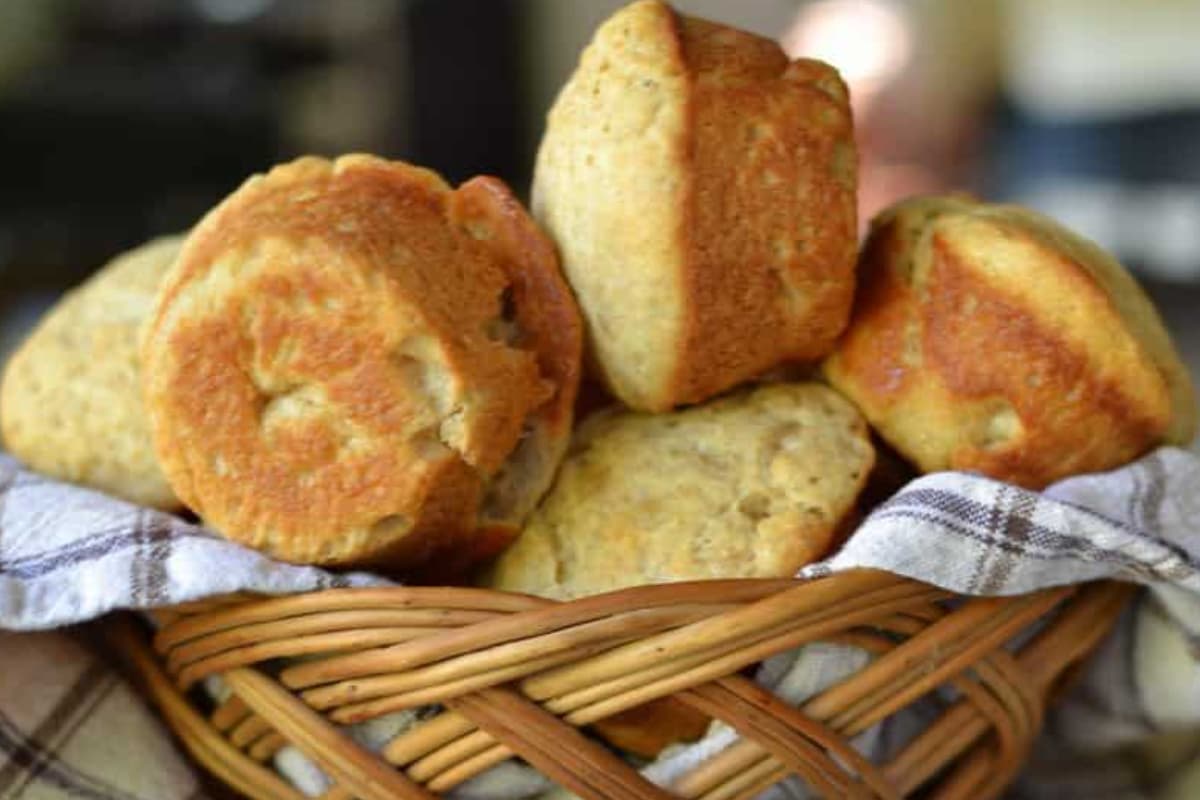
x: 755, y: 484
x: 353, y: 363
x: 989, y: 338
x: 71, y: 404
x: 701, y: 190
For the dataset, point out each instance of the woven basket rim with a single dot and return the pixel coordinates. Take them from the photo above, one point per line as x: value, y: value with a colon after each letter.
x: 518, y: 674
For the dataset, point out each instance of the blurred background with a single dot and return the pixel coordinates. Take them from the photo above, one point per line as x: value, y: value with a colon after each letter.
x: 123, y: 119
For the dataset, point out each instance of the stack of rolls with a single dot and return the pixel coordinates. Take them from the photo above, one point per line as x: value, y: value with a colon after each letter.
x: 351, y: 363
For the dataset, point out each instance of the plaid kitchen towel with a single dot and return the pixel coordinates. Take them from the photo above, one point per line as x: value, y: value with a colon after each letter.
x: 68, y: 555
x: 70, y: 728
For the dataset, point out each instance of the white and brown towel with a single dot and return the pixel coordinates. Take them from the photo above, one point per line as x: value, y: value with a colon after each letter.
x: 1130, y: 731
x: 69, y: 727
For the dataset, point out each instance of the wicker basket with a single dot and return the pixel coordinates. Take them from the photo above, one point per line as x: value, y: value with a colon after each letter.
x: 518, y: 675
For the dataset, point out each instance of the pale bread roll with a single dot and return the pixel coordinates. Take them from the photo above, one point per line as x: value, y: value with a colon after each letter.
x: 71, y: 404
x: 701, y: 190
x: 751, y: 485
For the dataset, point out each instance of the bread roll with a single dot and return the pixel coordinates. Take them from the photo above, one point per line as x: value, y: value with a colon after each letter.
x: 701, y: 190
x: 70, y: 405
x: 750, y: 485
x: 645, y: 730
x: 353, y: 363
x: 989, y: 338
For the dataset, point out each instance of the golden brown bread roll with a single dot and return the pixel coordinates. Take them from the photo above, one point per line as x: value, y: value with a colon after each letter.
x: 989, y: 338
x: 352, y: 363
x: 701, y: 190
x: 71, y: 404
x: 755, y: 484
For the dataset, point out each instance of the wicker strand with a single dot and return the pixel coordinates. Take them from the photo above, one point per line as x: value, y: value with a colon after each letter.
x: 750, y: 783
x: 337, y: 754
x: 542, y: 616
x: 250, y: 730
x: 423, y: 739
x: 562, y: 753
x: 320, y: 622
x: 435, y: 604
x: 267, y: 746
x: 975, y: 778
x: 201, y: 740
x: 629, y: 625
x: 725, y: 662
x: 229, y: 714
x: 796, y: 742
x: 786, y: 607
x: 734, y: 760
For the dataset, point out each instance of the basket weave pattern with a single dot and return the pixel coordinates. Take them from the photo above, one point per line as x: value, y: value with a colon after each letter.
x: 518, y: 675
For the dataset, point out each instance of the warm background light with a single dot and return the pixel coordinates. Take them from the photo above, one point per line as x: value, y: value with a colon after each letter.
x: 867, y: 40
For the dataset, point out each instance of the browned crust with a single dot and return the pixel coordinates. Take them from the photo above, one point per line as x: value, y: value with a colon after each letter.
x: 871, y: 364
x: 769, y: 226
x: 934, y: 338
x: 372, y: 287
x: 550, y: 326
x: 546, y: 312
x: 645, y: 730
